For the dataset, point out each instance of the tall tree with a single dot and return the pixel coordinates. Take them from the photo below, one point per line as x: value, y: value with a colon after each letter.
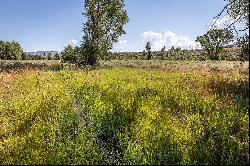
x: 104, y: 25
x: 214, y: 41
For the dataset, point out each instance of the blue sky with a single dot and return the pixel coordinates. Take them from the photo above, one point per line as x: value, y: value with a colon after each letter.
x: 52, y: 24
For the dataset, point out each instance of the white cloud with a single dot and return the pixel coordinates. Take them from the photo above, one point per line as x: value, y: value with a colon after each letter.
x: 73, y: 43
x: 168, y: 39
x: 226, y: 21
x: 156, y: 39
x: 119, y: 46
x: 221, y: 23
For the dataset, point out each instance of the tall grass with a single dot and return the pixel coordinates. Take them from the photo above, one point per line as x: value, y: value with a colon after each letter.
x: 124, y: 116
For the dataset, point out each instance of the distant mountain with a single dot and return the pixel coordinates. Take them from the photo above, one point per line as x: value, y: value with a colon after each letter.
x: 41, y: 53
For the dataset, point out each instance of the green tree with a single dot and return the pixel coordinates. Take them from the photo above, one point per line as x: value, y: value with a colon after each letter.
x: 49, y: 56
x: 148, y: 48
x: 214, y: 41
x: 2, y: 46
x: 24, y: 56
x: 10, y: 50
x: 71, y: 54
x: 238, y: 11
x: 17, y: 50
x: 104, y: 25
x: 29, y: 56
x: 57, y: 56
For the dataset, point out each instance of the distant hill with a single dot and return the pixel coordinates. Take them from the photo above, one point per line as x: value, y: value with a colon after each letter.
x: 41, y: 53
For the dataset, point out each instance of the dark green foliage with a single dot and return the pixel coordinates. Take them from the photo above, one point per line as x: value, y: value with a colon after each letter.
x: 88, y: 55
x: 24, y: 56
x: 71, y: 54
x: 214, y: 41
x: 243, y: 42
x: 148, y: 48
x: 10, y: 51
x: 57, y: 57
x: 49, y: 56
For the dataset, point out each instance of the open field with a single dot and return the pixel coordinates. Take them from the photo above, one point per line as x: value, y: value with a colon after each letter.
x: 121, y: 115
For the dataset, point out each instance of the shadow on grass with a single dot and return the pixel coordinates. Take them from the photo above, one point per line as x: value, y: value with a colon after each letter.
x: 232, y: 87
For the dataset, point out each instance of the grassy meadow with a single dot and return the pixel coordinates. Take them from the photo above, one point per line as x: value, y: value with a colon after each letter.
x: 119, y: 114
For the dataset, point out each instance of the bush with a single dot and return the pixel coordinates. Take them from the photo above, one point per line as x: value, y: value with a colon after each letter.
x: 71, y: 54
x: 10, y: 51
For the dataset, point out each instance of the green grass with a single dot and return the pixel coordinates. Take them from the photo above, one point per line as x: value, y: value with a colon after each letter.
x: 124, y: 116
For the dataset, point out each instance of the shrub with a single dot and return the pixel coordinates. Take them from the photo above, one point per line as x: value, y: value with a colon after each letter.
x: 10, y: 51
x: 71, y: 54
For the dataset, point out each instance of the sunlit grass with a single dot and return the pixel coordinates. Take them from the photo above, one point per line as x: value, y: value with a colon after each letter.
x: 124, y: 116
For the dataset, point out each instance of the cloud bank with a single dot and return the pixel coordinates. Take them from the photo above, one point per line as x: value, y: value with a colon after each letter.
x: 168, y: 39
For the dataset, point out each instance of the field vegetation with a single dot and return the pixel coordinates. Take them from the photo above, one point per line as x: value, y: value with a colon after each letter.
x: 124, y: 115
